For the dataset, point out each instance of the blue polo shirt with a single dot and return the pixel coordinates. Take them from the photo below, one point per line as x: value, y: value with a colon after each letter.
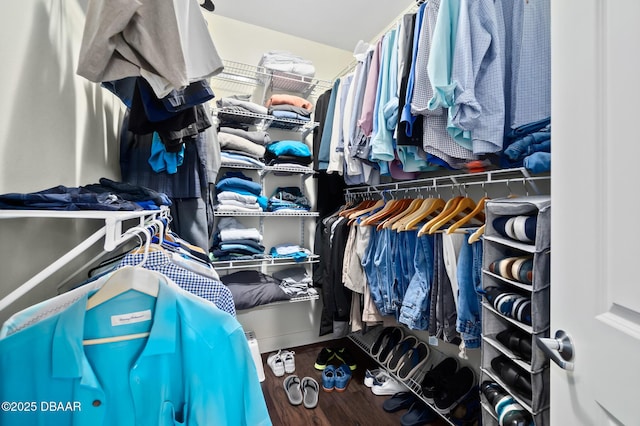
x: 195, y: 368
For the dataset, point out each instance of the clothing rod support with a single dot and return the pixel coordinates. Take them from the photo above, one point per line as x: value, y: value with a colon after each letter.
x: 51, y: 269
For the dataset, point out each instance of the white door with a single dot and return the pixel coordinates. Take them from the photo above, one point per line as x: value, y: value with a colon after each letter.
x: 595, y: 269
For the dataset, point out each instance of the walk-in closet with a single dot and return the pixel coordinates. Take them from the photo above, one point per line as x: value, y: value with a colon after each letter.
x: 286, y: 213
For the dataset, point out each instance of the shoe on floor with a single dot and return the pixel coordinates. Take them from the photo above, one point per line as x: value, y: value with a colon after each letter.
x: 454, y: 389
x: 393, y: 360
x: 293, y: 390
x: 375, y: 377
x: 435, y: 377
x: 289, y: 359
x: 419, y: 414
x: 275, y: 362
x: 468, y: 411
x: 310, y: 392
x: 323, y: 359
x: 328, y: 378
x: 390, y: 387
x: 412, y: 361
x: 399, y: 401
x: 342, y: 376
x: 345, y: 357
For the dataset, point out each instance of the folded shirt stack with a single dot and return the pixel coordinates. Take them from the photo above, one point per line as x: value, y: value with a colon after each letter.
x: 290, y: 111
x: 237, y: 192
x: 289, y: 199
x: 238, y: 109
x: 288, y: 152
x: 285, y: 99
x: 295, y: 281
x: 238, y: 145
x: 233, y: 241
x: 290, y: 250
x: 285, y: 61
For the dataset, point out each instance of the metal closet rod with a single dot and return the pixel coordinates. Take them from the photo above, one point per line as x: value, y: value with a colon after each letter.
x: 453, y: 181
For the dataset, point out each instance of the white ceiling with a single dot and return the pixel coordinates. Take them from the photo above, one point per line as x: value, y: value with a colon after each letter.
x: 337, y: 23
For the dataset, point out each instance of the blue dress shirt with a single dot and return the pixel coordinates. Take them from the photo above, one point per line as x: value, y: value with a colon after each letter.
x: 194, y: 368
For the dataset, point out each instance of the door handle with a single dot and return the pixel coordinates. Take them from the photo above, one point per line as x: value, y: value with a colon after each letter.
x: 559, y: 349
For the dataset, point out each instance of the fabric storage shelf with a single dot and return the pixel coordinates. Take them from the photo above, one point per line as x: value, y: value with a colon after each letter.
x: 501, y: 249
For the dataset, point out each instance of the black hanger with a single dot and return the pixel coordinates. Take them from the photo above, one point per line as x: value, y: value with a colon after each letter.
x: 208, y: 4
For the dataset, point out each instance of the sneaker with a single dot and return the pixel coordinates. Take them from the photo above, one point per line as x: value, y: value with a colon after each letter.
x: 325, y: 355
x: 508, y: 410
x: 328, y: 378
x: 288, y: 357
x: 275, y: 362
x: 345, y: 356
x: 434, y: 379
x: 342, y: 377
x: 390, y: 387
x: 454, y: 390
x: 375, y: 377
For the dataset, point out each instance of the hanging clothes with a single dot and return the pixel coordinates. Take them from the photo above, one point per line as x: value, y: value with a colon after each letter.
x: 178, y: 374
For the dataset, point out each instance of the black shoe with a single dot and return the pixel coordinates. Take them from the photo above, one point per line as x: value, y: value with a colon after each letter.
x: 393, y: 360
x: 395, y: 336
x: 504, y: 406
x: 345, y: 357
x: 399, y: 401
x: 325, y: 355
x: 517, y: 341
x: 513, y: 376
x: 454, y: 389
x: 435, y: 377
x: 468, y: 411
x: 419, y: 414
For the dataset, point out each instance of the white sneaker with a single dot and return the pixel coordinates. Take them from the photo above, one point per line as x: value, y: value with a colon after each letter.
x: 389, y: 387
x: 375, y: 377
x: 276, y: 363
x: 289, y: 360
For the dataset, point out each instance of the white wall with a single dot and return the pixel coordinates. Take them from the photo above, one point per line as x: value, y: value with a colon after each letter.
x: 60, y: 129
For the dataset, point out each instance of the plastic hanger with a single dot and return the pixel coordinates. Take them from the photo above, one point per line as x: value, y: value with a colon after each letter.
x: 127, y: 278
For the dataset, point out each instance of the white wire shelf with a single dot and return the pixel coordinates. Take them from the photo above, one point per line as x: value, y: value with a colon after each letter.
x: 267, y: 214
x: 278, y: 169
x: 237, y: 74
x: 267, y: 260
x: 265, y: 121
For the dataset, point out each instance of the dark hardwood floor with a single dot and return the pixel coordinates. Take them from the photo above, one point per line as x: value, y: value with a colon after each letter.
x: 356, y: 406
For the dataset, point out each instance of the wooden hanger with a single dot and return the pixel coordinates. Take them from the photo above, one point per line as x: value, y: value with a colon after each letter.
x: 401, y: 208
x: 476, y: 235
x: 390, y: 208
x: 428, y: 208
x: 449, y: 206
x: 362, y: 205
x: 465, y: 206
x: 415, y: 204
x: 378, y: 204
x: 476, y: 214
